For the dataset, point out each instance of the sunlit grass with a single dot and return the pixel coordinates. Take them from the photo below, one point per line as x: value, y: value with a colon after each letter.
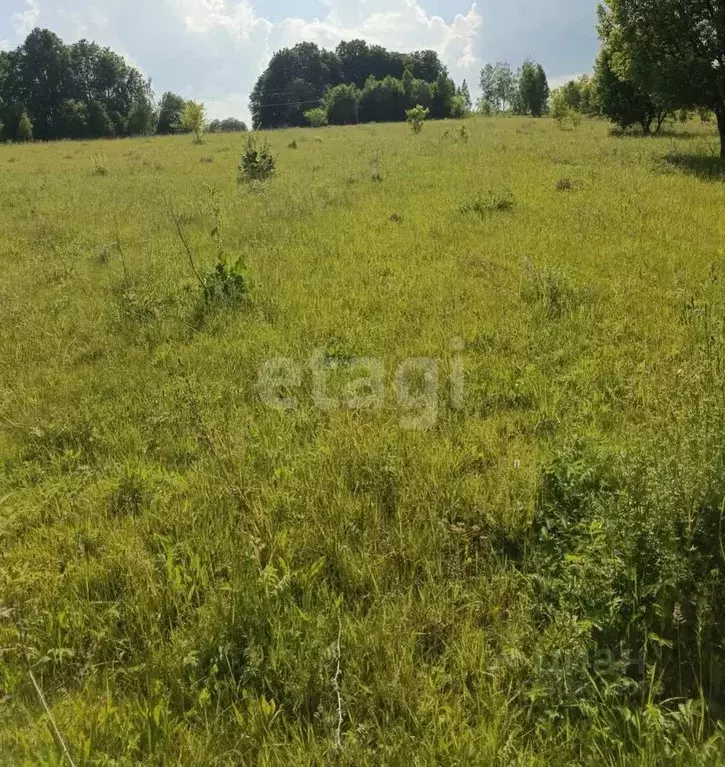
x: 177, y: 560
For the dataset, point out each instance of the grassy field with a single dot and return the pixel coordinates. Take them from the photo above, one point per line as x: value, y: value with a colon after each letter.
x: 519, y: 563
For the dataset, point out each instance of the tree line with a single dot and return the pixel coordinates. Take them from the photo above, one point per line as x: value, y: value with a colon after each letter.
x: 49, y: 90
x: 354, y: 83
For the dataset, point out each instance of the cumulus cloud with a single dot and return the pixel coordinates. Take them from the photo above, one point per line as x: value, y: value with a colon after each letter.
x: 24, y: 21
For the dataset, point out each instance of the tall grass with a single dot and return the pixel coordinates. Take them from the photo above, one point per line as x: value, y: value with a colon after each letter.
x: 193, y: 577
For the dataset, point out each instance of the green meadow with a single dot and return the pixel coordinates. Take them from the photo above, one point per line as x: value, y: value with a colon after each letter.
x: 518, y: 563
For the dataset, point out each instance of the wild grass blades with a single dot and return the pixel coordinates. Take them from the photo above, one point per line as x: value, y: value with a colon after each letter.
x: 535, y: 578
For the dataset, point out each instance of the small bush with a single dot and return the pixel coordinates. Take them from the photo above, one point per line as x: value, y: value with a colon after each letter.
x: 257, y: 163
x: 416, y: 117
x: 25, y: 128
x: 292, y: 145
x: 317, y: 118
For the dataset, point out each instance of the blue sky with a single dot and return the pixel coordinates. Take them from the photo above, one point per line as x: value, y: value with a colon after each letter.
x: 214, y: 50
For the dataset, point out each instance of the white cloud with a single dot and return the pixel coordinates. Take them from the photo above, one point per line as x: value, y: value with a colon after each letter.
x: 24, y: 21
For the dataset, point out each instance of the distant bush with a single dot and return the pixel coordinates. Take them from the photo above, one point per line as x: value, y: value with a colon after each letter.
x: 25, y: 128
x: 317, y: 118
x: 459, y: 108
x: 559, y: 108
x: 257, y: 162
x: 228, y: 125
x: 416, y: 117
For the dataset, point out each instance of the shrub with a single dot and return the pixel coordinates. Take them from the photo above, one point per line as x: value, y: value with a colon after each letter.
x: 561, y: 111
x: 558, y: 107
x: 416, y: 117
x: 257, y: 162
x: 317, y: 118
x: 459, y: 108
x: 25, y: 128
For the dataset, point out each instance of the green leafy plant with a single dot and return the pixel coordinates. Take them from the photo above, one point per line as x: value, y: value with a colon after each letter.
x: 24, y: 131
x: 317, y: 118
x: 257, y: 163
x: 416, y: 118
x: 193, y: 119
x: 227, y: 282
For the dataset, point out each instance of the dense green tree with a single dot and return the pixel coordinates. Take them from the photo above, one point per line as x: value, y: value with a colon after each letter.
x: 171, y: 107
x: 99, y: 123
x: 383, y: 100
x: 73, y: 119
x: 580, y: 95
x: 358, y: 61
x: 69, y: 90
x: 674, y: 50
x: 40, y: 80
x: 623, y: 100
x: 142, y: 118
x: 295, y: 81
x: 342, y: 104
x: 298, y: 78
x: 422, y: 95
x: 425, y: 65
x: 533, y: 89
x: 233, y: 125
x: 443, y: 93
